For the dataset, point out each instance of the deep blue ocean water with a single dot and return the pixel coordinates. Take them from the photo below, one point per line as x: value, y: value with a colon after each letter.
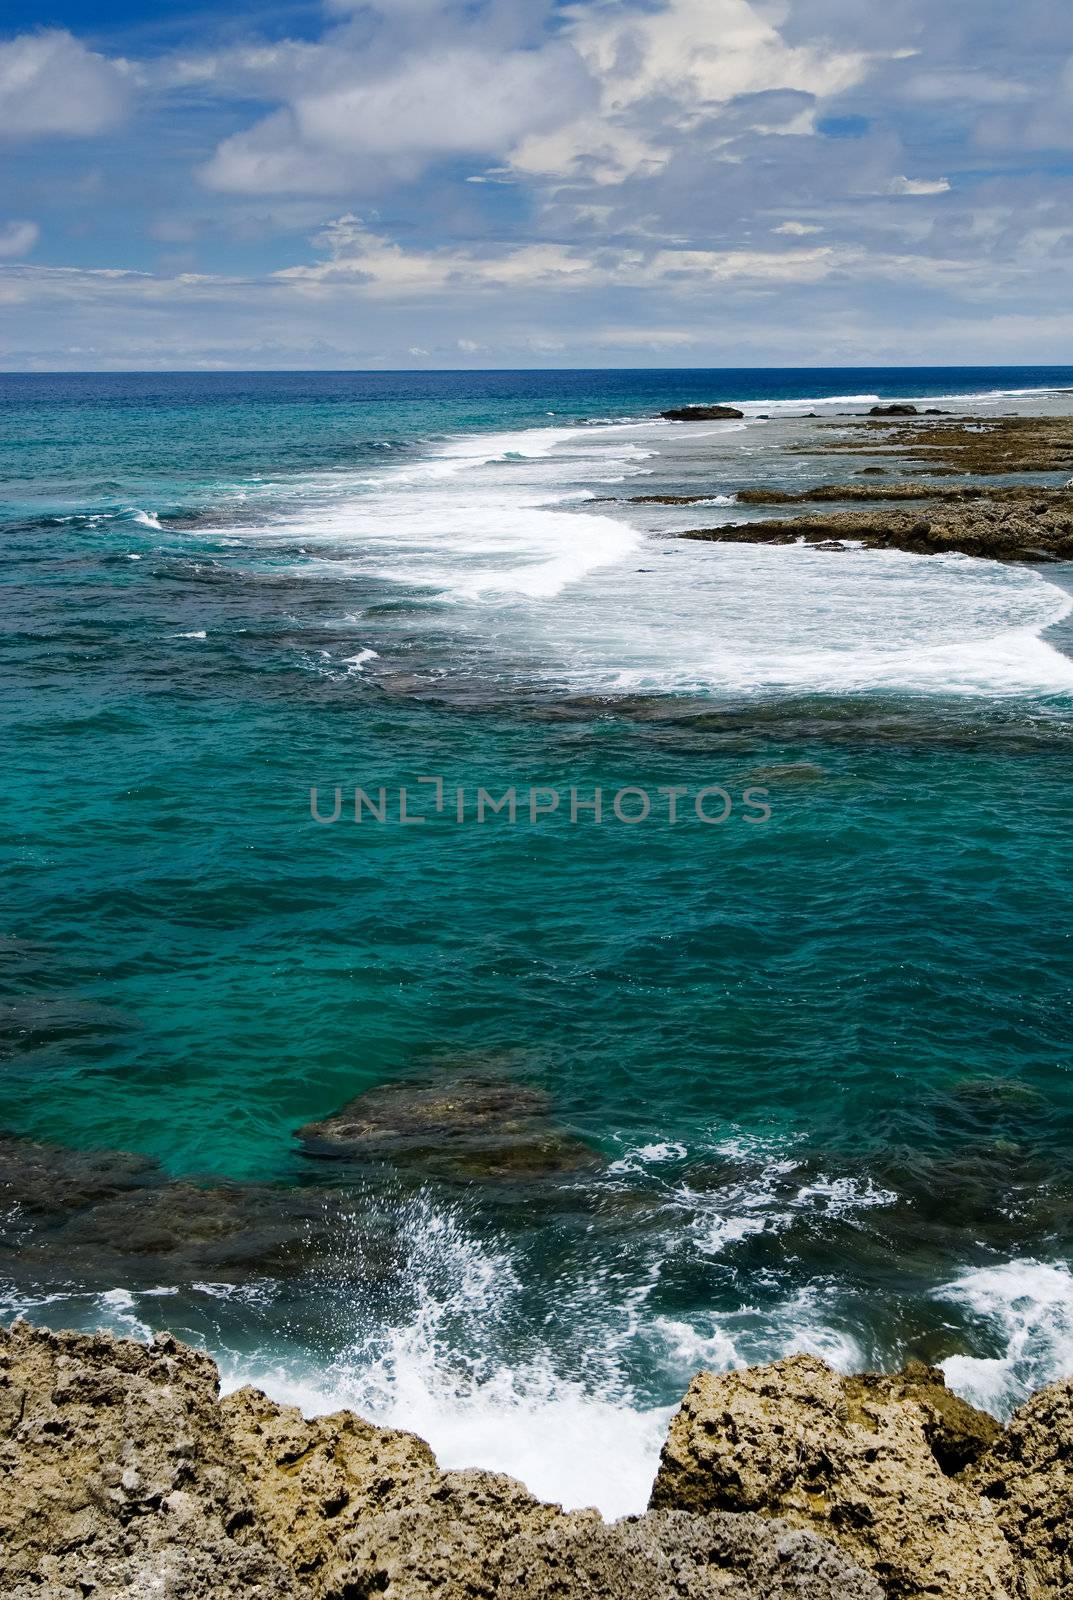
x: 826, y: 1057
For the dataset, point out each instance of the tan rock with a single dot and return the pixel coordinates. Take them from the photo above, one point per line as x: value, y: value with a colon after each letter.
x: 350, y: 1505
x: 855, y: 1459
x: 124, y: 1477
x: 1028, y: 1475
x: 670, y: 1555
x: 116, y: 1477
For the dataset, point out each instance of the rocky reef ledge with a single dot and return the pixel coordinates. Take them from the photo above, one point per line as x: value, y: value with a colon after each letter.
x: 1012, y: 521
x: 125, y: 1476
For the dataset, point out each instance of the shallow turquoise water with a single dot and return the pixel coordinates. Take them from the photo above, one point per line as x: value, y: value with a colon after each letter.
x: 860, y: 1002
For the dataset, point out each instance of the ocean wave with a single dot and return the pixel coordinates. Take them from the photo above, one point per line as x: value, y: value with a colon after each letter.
x: 1024, y: 1309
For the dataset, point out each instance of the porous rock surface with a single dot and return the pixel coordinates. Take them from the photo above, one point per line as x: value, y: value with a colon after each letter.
x: 872, y: 1463
x: 123, y: 1476
x: 1028, y: 1476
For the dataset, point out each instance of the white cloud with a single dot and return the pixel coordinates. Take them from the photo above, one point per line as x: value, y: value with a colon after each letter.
x: 662, y: 72
x: 919, y: 186
x: 345, y: 129
x: 18, y: 238
x: 796, y: 230
x: 50, y: 83
x: 610, y: 92
x: 376, y: 267
x: 968, y: 85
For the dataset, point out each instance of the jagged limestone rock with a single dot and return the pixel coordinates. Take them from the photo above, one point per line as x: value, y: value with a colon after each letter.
x: 858, y: 1460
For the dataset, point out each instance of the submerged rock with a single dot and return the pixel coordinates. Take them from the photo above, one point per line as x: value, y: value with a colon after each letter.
x: 104, y: 1217
x: 703, y: 414
x: 125, y: 1477
x: 469, y: 1125
x: 863, y: 1461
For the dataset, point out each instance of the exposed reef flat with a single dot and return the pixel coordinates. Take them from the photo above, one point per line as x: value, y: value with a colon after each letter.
x: 1028, y: 522
x: 995, y: 530
x: 972, y: 445
x: 124, y: 1475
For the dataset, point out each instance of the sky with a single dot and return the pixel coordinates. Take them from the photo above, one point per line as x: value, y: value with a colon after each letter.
x: 525, y: 183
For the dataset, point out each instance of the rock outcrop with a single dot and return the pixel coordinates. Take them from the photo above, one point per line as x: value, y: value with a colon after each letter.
x: 124, y: 1477
x: 865, y: 1461
x: 117, y: 1479
x: 702, y: 414
x: 1041, y: 530
x: 1028, y: 1477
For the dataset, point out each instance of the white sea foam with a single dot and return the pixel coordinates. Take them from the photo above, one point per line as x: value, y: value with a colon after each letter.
x: 1024, y: 1310
x: 357, y: 663
x: 752, y: 619
x: 444, y: 1367
x: 808, y: 400
x: 492, y: 529
x: 772, y: 1200
x: 453, y: 1363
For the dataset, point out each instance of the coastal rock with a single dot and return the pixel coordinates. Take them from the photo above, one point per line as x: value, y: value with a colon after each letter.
x: 457, y: 1125
x: 961, y: 445
x: 361, y: 1510
x: 703, y: 414
x: 669, y: 1553
x: 996, y: 529
x: 894, y: 411
x: 1028, y: 1477
x: 117, y: 1479
x: 858, y: 1460
x: 124, y: 1477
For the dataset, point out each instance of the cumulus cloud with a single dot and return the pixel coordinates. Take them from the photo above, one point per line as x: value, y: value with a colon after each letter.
x: 51, y: 84
x: 593, y: 91
x: 363, y: 111
x: 18, y: 238
x: 663, y: 72
x: 552, y: 166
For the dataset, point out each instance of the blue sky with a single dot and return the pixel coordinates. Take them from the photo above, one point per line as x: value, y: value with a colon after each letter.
x: 453, y: 183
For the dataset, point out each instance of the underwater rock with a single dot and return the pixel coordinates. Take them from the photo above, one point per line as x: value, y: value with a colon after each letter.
x: 104, y: 1217
x: 458, y: 1125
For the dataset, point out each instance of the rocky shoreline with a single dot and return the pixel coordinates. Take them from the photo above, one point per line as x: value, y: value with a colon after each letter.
x: 923, y: 512
x: 125, y: 1476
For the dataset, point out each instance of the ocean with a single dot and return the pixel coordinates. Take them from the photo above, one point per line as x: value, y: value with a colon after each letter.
x: 822, y: 1057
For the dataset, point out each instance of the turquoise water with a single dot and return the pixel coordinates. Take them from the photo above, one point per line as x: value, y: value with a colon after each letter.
x: 826, y: 1057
